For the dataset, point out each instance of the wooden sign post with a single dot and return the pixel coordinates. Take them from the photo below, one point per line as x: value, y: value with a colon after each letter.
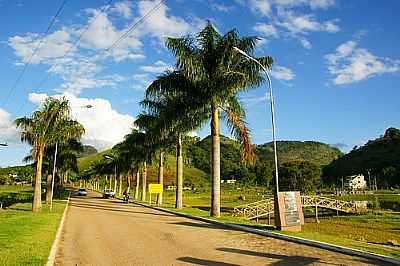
x: 288, y: 211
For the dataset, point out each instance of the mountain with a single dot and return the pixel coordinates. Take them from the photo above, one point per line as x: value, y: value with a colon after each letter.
x: 380, y: 157
x: 88, y: 150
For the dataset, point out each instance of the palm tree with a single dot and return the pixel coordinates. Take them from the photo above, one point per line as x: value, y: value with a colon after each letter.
x: 209, y: 61
x: 173, y: 115
x: 40, y: 130
x: 137, y: 152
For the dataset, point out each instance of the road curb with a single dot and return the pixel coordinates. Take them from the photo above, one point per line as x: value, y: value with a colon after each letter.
x: 294, y: 239
x: 54, y: 247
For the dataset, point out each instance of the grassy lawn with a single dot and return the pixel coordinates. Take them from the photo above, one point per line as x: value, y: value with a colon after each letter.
x: 25, y: 237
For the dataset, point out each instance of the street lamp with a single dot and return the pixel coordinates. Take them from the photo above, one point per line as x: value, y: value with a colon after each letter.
x: 111, y: 158
x: 55, y: 162
x: 272, y: 111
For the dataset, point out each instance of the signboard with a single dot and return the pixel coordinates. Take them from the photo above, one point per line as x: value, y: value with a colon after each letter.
x: 291, y: 210
x: 288, y: 211
x: 155, y: 188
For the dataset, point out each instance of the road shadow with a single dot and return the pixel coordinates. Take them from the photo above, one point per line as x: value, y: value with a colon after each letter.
x: 283, y: 260
x: 295, y: 260
x: 203, y: 225
x: 88, y: 206
x: 198, y: 261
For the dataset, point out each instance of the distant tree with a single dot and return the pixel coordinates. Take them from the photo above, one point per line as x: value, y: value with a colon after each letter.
x: 303, y: 176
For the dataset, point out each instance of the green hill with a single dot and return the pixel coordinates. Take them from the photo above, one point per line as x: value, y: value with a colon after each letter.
x: 317, y: 153
x: 380, y: 156
x: 191, y: 174
x: 197, y: 160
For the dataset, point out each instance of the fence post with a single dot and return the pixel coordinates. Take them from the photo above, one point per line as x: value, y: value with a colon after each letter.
x: 316, y: 212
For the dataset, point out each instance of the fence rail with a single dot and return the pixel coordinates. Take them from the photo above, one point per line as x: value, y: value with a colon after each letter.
x: 266, y: 207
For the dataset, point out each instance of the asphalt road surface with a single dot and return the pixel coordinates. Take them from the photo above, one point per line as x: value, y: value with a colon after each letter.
x: 108, y: 232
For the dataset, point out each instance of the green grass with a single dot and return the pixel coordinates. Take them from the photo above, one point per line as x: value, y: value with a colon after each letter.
x: 26, y: 237
x: 372, y: 232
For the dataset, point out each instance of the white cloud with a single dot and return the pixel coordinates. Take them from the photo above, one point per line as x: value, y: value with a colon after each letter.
x: 8, y: 130
x: 264, y: 7
x: 161, y: 24
x: 82, y: 67
x: 267, y: 30
x: 305, y: 43
x: 52, y: 46
x: 287, y: 19
x: 158, y: 67
x: 141, y: 82
x: 282, y: 73
x: 104, y: 126
x: 306, y: 23
x: 253, y: 100
x: 260, y: 6
x: 350, y: 64
x: 123, y: 8
x: 324, y: 4
x: 221, y: 7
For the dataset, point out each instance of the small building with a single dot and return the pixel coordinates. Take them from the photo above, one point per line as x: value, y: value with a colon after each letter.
x: 355, y: 182
x: 232, y: 180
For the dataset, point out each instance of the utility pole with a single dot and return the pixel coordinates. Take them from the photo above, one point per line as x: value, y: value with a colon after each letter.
x: 369, y: 178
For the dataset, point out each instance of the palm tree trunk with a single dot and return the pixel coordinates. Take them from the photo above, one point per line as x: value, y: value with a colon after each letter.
x: 144, y: 181
x: 37, y: 196
x: 115, y: 183
x: 137, y: 184
x: 179, y: 173
x: 128, y: 183
x: 120, y: 185
x: 48, y: 190
x: 215, y: 160
x: 160, y: 177
x: 53, y: 177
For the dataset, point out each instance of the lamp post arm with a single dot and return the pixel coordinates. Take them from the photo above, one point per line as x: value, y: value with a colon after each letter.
x: 272, y: 111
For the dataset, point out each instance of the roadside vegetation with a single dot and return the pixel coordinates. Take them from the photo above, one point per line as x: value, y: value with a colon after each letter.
x: 26, y: 237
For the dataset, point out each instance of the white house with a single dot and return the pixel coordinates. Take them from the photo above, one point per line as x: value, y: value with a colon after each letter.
x: 355, y: 182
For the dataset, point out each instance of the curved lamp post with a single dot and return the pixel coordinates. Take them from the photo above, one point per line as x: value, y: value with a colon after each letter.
x: 272, y: 111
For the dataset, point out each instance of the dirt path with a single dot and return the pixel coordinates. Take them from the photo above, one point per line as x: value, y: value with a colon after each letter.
x: 107, y: 232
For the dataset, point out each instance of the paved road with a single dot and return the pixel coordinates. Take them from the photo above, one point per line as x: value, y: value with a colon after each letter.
x: 107, y: 232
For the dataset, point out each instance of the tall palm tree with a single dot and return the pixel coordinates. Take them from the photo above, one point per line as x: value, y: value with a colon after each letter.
x: 210, y: 61
x: 40, y: 130
x: 170, y: 111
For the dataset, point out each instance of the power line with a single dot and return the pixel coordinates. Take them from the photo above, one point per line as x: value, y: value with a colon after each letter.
x: 130, y: 29
x: 124, y: 35
x: 74, y: 45
x: 15, y: 84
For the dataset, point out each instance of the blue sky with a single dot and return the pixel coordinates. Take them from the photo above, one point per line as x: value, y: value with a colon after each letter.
x: 336, y: 75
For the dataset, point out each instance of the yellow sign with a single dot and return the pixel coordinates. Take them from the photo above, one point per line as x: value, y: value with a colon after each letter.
x: 155, y: 188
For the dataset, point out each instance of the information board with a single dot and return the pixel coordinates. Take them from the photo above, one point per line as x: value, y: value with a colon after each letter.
x: 155, y: 188
x: 291, y: 209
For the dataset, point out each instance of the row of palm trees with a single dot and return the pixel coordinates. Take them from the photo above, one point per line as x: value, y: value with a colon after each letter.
x: 204, y: 87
